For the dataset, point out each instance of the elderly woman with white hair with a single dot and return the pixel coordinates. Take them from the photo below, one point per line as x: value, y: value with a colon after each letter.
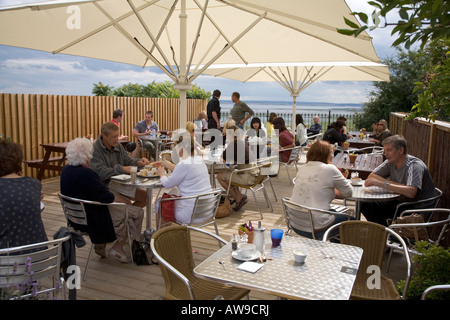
x: 78, y: 180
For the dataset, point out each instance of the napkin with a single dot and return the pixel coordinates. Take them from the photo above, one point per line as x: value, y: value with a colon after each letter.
x: 250, y: 266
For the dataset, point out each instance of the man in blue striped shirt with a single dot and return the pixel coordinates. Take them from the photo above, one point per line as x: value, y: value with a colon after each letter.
x: 400, y: 173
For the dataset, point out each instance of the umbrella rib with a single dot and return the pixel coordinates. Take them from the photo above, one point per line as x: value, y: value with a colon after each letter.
x: 305, y: 32
x: 144, y: 25
x: 228, y: 46
x: 135, y: 41
x: 164, y: 25
x: 107, y: 25
x: 222, y: 34
x: 278, y: 79
x: 200, y: 25
x: 206, y: 52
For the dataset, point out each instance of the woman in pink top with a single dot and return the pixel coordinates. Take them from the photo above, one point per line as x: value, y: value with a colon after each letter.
x: 286, y: 139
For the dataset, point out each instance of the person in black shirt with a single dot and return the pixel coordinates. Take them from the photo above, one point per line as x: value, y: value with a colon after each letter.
x: 213, y: 111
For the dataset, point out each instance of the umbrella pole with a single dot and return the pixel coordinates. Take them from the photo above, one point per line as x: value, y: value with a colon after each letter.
x: 294, y: 111
x: 183, y: 103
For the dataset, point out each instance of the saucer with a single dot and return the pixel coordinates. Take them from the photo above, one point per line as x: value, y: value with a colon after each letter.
x: 235, y: 254
x: 357, y: 183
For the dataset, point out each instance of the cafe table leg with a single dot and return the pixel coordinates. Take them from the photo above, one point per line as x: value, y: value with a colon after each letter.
x: 149, y: 231
x: 357, y: 209
x: 43, y: 165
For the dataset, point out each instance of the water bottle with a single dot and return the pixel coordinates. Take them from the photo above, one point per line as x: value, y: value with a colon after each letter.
x: 152, y: 133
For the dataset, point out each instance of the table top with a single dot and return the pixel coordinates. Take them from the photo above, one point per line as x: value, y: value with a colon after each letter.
x: 356, y: 142
x: 372, y: 193
x: 319, y: 278
x: 148, y: 183
x: 363, y: 162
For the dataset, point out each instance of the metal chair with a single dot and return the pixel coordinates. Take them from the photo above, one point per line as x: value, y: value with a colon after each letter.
x: 300, y: 217
x: 424, y: 229
x: 433, y: 201
x: 293, y: 159
x: 205, y: 208
x: 371, y: 237
x: 257, y: 185
x: 75, y: 212
x: 438, y: 287
x: 172, y: 248
x: 42, y: 259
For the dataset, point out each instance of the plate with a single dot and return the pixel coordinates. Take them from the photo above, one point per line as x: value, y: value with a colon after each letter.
x: 139, y: 174
x: 122, y: 177
x: 235, y: 254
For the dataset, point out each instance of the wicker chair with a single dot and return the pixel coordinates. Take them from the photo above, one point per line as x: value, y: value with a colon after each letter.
x: 172, y: 248
x: 371, y: 237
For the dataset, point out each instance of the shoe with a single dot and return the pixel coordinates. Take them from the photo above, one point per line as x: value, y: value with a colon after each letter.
x: 100, y: 249
x: 239, y: 205
x: 121, y: 257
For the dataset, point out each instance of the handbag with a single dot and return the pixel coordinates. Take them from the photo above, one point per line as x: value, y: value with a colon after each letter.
x: 168, y: 207
x: 139, y: 255
x: 412, y: 233
x: 224, y: 209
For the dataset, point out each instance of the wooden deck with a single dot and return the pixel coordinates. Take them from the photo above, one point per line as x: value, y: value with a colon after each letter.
x: 108, y: 279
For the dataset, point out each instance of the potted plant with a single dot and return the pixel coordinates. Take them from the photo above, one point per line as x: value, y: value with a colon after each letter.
x: 431, y: 268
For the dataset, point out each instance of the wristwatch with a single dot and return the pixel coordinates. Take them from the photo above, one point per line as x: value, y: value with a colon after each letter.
x: 386, y: 183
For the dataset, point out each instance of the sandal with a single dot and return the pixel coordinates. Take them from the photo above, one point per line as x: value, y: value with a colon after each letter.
x: 240, y: 204
x: 121, y: 257
x: 100, y: 249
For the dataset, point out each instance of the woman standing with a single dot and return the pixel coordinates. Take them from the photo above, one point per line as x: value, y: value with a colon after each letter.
x: 269, y: 124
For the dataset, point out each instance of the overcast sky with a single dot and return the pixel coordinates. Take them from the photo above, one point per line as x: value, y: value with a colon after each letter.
x: 30, y: 71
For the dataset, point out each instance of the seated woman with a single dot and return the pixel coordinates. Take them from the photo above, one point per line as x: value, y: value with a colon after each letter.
x: 237, y: 152
x: 190, y: 176
x: 105, y: 225
x: 20, y: 200
x: 228, y: 123
x: 334, y: 133
x: 286, y: 139
x: 380, y: 132
x: 316, y: 185
x: 256, y: 137
x: 300, y: 134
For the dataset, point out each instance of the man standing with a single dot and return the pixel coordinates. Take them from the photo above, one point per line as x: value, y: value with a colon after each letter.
x: 145, y: 128
x: 315, y: 128
x: 400, y: 173
x: 130, y: 146
x: 240, y: 112
x: 213, y: 111
x: 110, y: 159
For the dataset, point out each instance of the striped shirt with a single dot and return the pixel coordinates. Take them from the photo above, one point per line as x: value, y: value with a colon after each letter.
x: 413, y: 173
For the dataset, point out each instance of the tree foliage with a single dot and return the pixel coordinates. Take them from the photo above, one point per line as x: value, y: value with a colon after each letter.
x: 420, y: 21
x: 397, y: 95
x: 151, y: 90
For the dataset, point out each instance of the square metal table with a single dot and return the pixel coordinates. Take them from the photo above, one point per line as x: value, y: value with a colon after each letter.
x: 319, y: 278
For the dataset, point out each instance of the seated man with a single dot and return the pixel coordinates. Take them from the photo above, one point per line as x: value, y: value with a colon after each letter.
x: 130, y: 146
x: 145, y: 128
x: 315, y: 128
x: 110, y: 159
x: 403, y: 174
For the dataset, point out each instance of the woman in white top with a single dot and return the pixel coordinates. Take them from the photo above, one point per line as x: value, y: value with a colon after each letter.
x: 316, y: 185
x: 190, y: 176
x: 300, y: 134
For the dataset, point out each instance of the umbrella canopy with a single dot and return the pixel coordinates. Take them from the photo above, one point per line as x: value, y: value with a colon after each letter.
x: 296, y: 77
x: 176, y: 35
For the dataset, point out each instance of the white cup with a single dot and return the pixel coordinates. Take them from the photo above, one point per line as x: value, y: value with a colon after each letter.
x: 355, y: 181
x: 246, y: 250
x: 299, y: 255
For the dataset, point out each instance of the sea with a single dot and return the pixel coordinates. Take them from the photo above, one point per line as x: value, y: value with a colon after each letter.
x: 301, y: 107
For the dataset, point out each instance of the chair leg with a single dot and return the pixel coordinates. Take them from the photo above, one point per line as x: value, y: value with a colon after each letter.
x: 88, y: 261
x: 256, y: 201
x: 389, y: 259
x: 273, y: 190
x: 269, y: 204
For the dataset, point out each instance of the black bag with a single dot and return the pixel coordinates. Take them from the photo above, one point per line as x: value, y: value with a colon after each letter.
x: 139, y: 255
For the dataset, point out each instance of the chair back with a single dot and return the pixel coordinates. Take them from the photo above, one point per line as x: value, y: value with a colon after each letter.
x: 295, y: 152
x: 298, y: 216
x: 173, y: 245
x: 42, y: 259
x: 206, y: 205
x: 369, y: 236
x: 73, y: 209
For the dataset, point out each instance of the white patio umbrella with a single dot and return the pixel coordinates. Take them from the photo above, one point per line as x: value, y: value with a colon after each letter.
x: 175, y: 35
x: 296, y: 77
